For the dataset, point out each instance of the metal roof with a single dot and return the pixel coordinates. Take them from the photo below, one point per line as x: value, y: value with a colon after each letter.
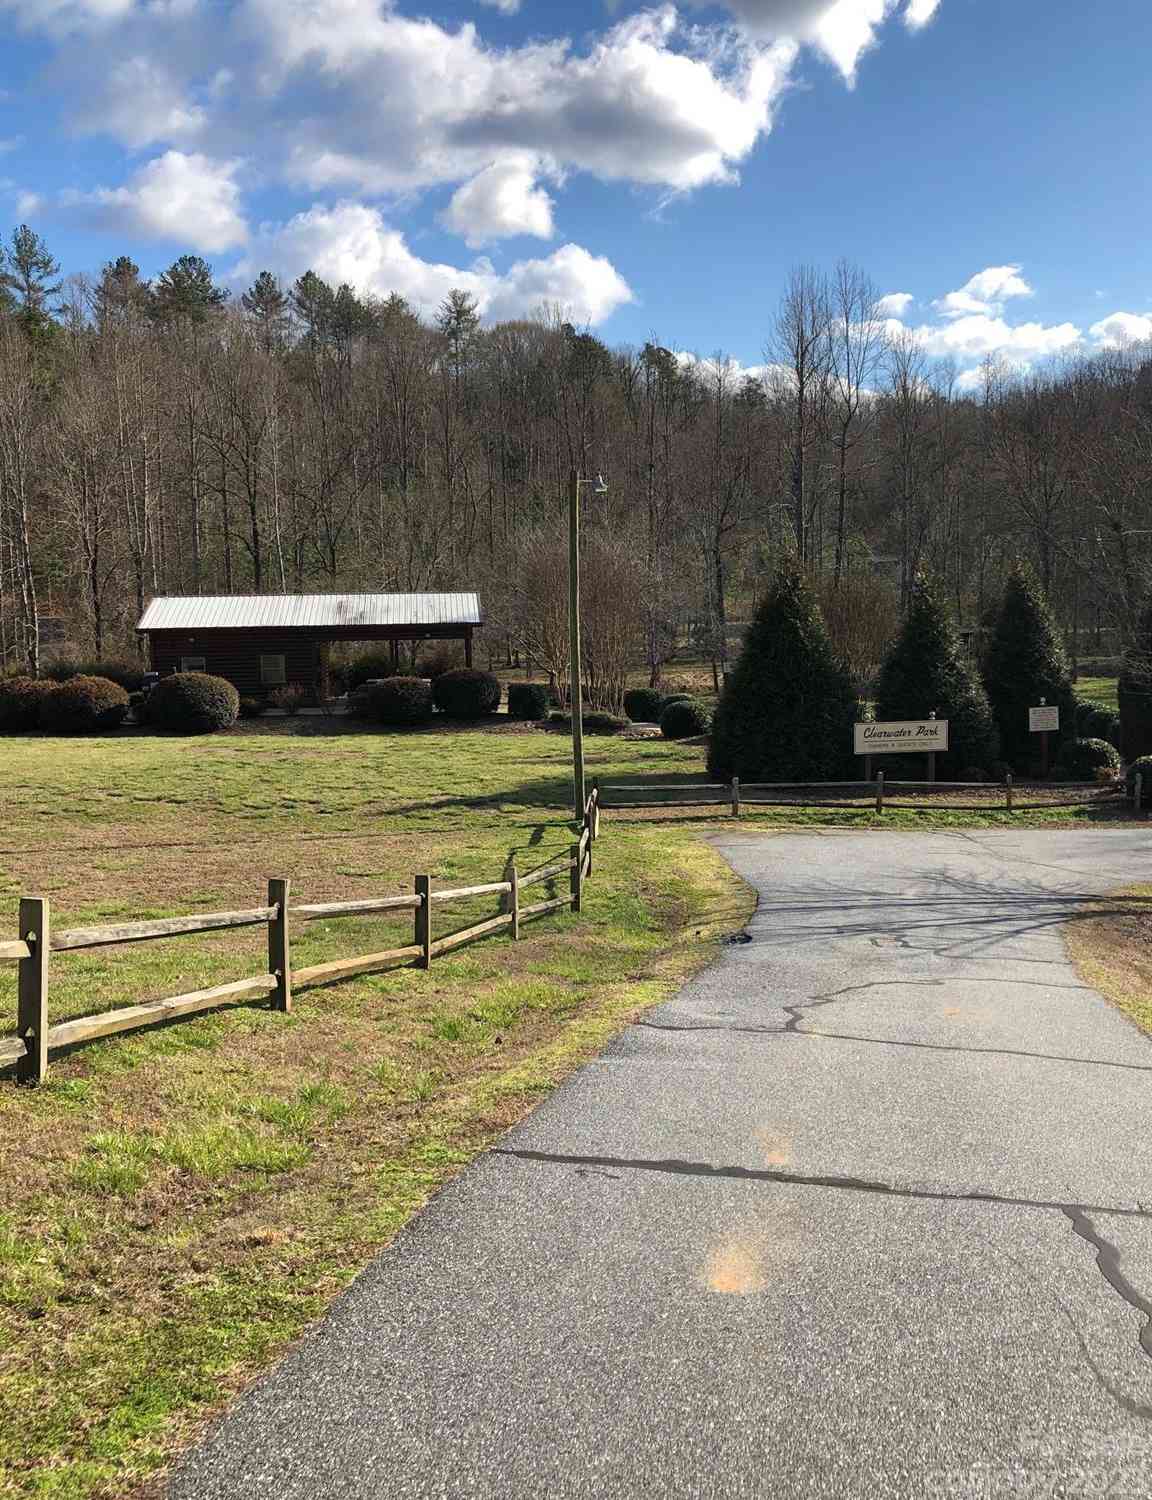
x: 309, y: 611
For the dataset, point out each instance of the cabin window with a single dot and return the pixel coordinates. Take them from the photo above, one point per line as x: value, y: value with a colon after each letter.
x: 192, y: 664
x: 272, y: 672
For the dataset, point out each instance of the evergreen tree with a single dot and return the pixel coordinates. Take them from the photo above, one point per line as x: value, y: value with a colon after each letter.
x: 788, y: 706
x: 26, y: 271
x: 1135, y: 691
x: 1026, y: 662
x: 120, y: 296
x: 267, y: 307
x: 313, y: 302
x: 925, y: 672
x: 186, y: 293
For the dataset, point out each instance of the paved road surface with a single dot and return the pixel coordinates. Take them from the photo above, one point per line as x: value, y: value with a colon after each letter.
x: 866, y: 1211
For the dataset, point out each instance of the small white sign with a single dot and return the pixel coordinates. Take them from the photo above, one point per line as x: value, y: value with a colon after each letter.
x: 1043, y: 720
x: 907, y: 737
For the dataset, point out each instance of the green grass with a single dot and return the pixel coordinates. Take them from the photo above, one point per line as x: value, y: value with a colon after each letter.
x: 1100, y: 690
x: 185, y: 1200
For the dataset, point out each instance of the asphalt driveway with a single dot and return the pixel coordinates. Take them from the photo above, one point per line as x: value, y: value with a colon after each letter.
x: 865, y: 1211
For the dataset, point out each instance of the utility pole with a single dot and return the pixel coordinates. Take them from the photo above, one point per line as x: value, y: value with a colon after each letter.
x: 576, y: 691
x: 576, y: 694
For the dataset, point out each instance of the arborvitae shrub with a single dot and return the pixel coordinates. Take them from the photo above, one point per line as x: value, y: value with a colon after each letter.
x: 527, y: 700
x: 788, y: 706
x: 926, y: 672
x: 644, y: 704
x: 84, y: 705
x: 1025, y: 663
x: 1135, y: 692
x: 685, y: 719
x: 20, y: 700
x: 466, y: 693
x: 193, y: 703
x: 400, y: 700
x: 1081, y: 759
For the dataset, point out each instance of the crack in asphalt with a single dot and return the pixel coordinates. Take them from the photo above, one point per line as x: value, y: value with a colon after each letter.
x: 1108, y: 1262
x: 883, y: 1041
x: 675, y: 1167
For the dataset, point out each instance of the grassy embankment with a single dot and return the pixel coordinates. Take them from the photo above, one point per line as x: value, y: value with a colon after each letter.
x: 178, y: 1204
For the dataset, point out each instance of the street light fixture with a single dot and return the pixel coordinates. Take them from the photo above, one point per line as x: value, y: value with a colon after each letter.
x: 576, y: 693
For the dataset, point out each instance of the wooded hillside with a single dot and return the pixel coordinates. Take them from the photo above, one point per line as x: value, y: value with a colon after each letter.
x: 172, y: 438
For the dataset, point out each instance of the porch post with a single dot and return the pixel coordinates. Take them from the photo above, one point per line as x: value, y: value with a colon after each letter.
x: 468, y: 647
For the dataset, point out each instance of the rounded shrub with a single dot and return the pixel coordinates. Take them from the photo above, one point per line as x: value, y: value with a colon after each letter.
x: 1142, y: 767
x: 20, y: 702
x: 598, y: 722
x: 683, y: 719
x: 675, y: 698
x: 128, y: 674
x: 400, y: 700
x: 193, y: 703
x: 365, y: 667
x: 644, y: 704
x: 466, y: 693
x: 527, y: 700
x: 1096, y: 721
x: 84, y: 705
x: 1081, y: 759
x: 253, y: 708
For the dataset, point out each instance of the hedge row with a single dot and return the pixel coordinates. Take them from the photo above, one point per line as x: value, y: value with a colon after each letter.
x: 185, y: 703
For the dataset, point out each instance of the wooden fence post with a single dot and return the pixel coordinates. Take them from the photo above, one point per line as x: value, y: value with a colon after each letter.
x: 879, y: 791
x: 1008, y: 788
x: 574, y: 876
x: 596, y: 809
x: 423, y: 937
x: 735, y: 796
x: 513, y: 876
x: 1138, y: 792
x: 32, y: 989
x: 279, y: 945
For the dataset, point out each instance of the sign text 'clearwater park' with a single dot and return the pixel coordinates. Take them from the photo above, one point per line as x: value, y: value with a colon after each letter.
x: 911, y: 736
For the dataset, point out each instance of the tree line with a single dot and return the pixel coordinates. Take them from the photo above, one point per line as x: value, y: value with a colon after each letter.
x: 168, y: 437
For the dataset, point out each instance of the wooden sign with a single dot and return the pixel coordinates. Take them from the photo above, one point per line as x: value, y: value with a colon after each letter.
x: 902, y: 737
x: 1043, y: 720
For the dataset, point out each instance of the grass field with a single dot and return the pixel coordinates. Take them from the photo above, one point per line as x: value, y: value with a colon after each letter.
x: 177, y: 1205
x: 1100, y: 690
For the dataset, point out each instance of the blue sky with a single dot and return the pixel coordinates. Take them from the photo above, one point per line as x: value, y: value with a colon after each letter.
x: 653, y: 170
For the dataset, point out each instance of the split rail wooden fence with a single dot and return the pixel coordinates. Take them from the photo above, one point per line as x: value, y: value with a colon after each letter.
x: 737, y: 795
x: 35, y: 1039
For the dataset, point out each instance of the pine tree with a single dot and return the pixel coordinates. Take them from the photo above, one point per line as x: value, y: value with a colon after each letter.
x: 925, y: 672
x: 186, y: 293
x: 1026, y: 663
x: 788, y: 706
x: 26, y: 271
x: 267, y: 307
x: 120, y: 296
x: 313, y: 302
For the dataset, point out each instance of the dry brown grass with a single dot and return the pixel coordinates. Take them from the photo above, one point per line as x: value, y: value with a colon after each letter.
x: 1111, y: 946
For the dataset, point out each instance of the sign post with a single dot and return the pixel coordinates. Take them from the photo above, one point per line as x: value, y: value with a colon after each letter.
x: 902, y: 737
x: 1044, y: 721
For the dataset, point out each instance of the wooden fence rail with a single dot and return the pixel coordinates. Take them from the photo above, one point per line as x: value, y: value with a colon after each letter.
x: 28, y: 1051
x: 738, y: 794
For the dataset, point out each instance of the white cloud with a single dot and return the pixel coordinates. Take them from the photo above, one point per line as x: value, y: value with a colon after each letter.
x: 977, y: 335
x: 505, y: 7
x: 188, y: 198
x: 352, y: 243
x: 138, y: 100
x: 1120, y: 328
x: 919, y: 13
x: 985, y: 293
x: 501, y: 201
x: 895, y: 304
